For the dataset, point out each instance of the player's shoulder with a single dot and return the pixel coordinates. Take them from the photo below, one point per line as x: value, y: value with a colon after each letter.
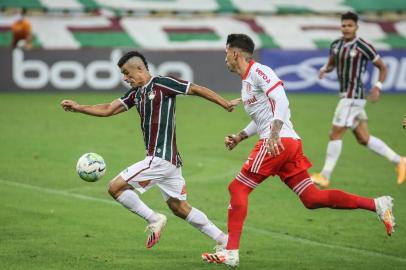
x: 262, y: 72
x: 364, y: 42
x: 336, y: 41
x: 168, y: 80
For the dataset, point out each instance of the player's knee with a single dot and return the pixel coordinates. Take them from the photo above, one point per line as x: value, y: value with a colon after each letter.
x: 111, y: 189
x: 115, y: 188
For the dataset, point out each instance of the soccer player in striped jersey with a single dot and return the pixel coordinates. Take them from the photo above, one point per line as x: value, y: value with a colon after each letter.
x: 350, y: 55
x: 278, y: 152
x: 154, y: 97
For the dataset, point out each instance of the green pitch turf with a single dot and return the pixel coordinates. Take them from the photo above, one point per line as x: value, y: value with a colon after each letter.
x: 50, y: 219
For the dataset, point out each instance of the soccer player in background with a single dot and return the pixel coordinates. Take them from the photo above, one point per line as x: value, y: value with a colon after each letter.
x: 155, y: 98
x: 21, y: 31
x: 404, y: 121
x: 350, y: 55
x: 278, y: 152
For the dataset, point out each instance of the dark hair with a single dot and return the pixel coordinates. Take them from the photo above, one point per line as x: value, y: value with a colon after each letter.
x: 130, y: 55
x: 242, y: 42
x: 350, y: 16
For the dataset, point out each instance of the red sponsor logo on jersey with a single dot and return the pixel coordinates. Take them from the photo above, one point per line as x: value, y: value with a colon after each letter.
x: 250, y: 100
x: 263, y: 75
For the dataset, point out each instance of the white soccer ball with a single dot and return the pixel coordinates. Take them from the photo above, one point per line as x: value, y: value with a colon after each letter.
x: 91, y: 167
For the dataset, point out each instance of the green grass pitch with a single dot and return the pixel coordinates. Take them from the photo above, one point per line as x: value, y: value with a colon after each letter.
x: 50, y: 219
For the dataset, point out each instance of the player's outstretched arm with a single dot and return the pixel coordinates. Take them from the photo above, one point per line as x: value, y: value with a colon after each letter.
x: 213, y: 97
x: 102, y: 110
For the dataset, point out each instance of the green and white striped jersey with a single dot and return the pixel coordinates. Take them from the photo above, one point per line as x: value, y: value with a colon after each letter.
x: 155, y: 103
x: 351, y: 59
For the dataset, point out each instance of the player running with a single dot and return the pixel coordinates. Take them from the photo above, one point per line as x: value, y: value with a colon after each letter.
x: 278, y: 152
x: 350, y: 55
x: 154, y: 98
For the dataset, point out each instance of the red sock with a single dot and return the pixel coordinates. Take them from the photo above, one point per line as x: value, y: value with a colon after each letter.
x: 237, y: 212
x: 312, y: 197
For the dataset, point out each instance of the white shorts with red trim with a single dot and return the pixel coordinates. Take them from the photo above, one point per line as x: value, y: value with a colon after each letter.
x: 152, y: 171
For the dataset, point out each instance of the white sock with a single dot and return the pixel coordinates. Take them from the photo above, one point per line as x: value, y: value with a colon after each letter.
x: 379, y: 147
x: 200, y: 221
x: 333, y: 153
x: 130, y: 200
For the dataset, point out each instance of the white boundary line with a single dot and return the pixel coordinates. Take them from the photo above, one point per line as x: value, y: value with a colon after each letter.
x: 274, y: 234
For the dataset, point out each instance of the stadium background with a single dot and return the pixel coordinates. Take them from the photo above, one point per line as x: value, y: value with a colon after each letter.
x: 49, y: 219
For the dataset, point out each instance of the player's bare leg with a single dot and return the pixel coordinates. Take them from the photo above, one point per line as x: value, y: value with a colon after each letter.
x: 334, y: 147
x: 378, y: 146
x: 198, y: 219
x: 123, y: 193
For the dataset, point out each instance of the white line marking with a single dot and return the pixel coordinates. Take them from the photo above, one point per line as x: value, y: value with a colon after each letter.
x: 274, y: 234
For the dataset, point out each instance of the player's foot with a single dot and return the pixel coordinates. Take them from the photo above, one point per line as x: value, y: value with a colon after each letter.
x: 401, y: 169
x: 227, y: 257
x: 384, y: 207
x: 154, y: 230
x: 320, y: 180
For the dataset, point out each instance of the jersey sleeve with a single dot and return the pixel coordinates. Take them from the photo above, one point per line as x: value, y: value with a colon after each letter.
x: 280, y: 104
x: 251, y: 129
x: 368, y: 50
x: 172, y: 86
x: 128, y: 99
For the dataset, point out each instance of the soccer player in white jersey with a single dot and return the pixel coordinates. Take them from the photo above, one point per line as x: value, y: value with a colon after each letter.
x: 350, y: 55
x: 154, y: 97
x: 278, y: 152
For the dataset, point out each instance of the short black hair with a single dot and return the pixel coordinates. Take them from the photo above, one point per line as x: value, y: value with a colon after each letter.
x: 130, y: 55
x: 242, y: 42
x: 350, y: 16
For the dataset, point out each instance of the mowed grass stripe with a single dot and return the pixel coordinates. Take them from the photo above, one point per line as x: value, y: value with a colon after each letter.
x: 277, y: 235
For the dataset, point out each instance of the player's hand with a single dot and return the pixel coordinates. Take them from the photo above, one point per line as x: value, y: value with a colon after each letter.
x: 231, y: 141
x: 70, y: 105
x: 274, y: 146
x: 374, y: 94
x: 322, y: 72
x: 404, y: 121
x: 231, y: 104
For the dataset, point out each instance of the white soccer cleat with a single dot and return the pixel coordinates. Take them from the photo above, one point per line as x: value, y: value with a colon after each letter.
x: 226, y: 257
x: 155, y: 229
x: 384, y: 207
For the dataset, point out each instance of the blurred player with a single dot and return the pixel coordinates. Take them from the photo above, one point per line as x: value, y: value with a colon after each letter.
x: 404, y: 121
x: 350, y: 55
x: 21, y: 31
x: 155, y: 99
x: 278, y: 152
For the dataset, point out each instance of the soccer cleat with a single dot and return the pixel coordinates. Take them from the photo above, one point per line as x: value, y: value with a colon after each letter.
x: 155, y: 229
x: 227, y: 257
x: 384, y: 207
x: 320, y: 180
x: 401, y: 169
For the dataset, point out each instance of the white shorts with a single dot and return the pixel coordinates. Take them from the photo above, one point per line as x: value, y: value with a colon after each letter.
x: 350, y: 112
x: 152, y: 171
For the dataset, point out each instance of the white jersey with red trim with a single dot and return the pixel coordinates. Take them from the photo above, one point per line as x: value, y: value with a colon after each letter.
x: 264, y: 100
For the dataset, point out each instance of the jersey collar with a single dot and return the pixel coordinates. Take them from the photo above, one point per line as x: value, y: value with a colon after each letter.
x: 248, y: 69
